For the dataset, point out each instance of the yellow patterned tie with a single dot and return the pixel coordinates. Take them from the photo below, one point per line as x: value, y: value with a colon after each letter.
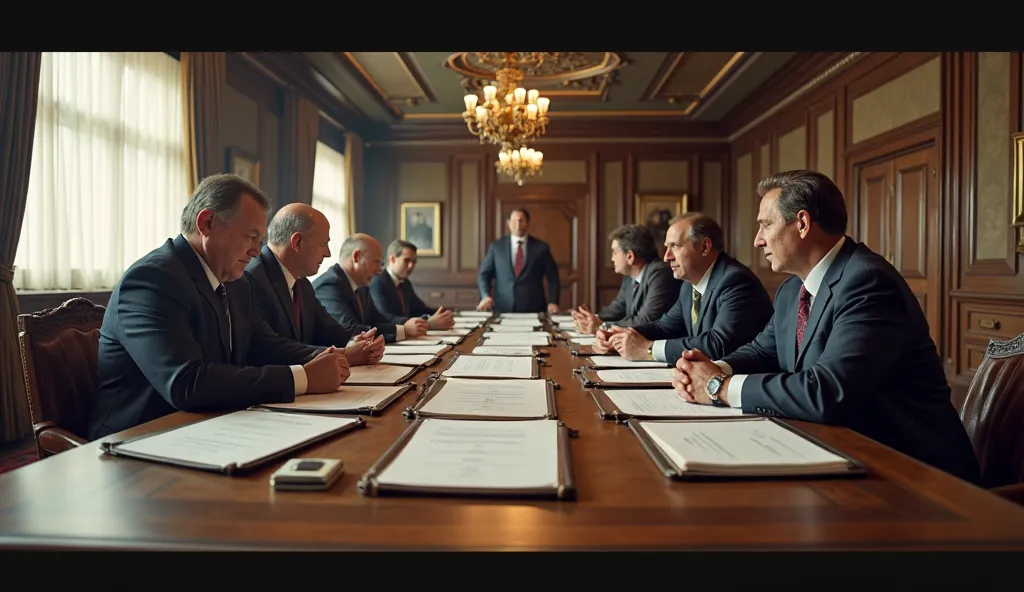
x: 694, y: 310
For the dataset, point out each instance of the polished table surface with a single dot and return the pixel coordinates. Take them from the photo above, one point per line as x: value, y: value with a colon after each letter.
x: 82, y: 499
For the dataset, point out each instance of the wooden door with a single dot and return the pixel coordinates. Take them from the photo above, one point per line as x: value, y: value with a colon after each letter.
x: 898, y: 217
x: 558, y: 216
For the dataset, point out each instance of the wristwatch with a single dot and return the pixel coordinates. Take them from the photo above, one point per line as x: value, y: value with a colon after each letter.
x: 715, y: 385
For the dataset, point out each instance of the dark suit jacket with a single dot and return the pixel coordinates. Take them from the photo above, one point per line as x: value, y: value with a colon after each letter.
x: 274, y: 301
x: 335, y: 293
x: 525, y: 293
x: 733, y: 310
x: 635, y: 305
x: 385, y: 298
x: 866, y: 362
x: 163, y: 346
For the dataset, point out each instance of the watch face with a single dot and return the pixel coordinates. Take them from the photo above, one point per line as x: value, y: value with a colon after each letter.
x: 714, y: 384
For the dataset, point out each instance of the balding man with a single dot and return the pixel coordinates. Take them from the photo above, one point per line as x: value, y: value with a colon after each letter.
x: 297, y: 242
x: 721, y: 306
x: 344, y: 291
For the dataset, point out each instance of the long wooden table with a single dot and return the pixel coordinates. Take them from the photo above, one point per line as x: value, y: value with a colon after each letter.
x: 81, y: 499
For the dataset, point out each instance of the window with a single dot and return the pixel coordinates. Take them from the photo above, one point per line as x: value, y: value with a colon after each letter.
x: 108, y: 168
x: 329, y: 196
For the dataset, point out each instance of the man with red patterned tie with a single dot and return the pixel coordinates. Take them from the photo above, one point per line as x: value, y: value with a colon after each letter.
x: 518, y: 265
x: 297, y: 243
x: 393, y: 293
x: 848, y: 343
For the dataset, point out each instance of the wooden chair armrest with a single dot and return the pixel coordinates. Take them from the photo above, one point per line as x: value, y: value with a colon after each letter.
x: 1014, y: 493
x: 52, y: 439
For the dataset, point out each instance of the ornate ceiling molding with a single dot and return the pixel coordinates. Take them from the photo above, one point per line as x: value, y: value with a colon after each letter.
x: 569, y: 75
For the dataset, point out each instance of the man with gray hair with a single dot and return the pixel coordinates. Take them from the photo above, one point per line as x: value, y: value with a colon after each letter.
x: 344, y: 291
x: 297, y: 243
x: 721, y: 305
x: 180, y: 334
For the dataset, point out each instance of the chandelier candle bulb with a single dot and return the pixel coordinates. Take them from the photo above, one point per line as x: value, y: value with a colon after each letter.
x: 490, y: 92
x: 543, y: 104
x: 471, y: 101
x: 532, y: 96
x: 520, y: 95
x: 531, y: 111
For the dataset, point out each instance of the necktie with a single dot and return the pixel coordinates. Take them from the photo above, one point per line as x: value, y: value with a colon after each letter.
x: 519, y: 258
x: 223, y: 295
x: 802, y: 312
x: 361, y: 305
x: 297, y: 305
x: 694, y: 310
x: 401, y: 299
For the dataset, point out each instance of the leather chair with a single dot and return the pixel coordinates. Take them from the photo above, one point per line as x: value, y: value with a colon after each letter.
x: 58, y: 355
x: 993, y: 413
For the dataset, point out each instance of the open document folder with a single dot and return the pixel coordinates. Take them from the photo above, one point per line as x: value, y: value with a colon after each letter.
x: 357, y: 399
x: 467, y: 457
x: 619, y: 404
x: 737, y: 447
x: 472, y: 398
x: 476, y: 366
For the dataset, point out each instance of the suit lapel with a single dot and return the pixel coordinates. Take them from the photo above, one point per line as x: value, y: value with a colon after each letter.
x: 276, y: 277
x: 687, y: 307
x: 190, y: 259
x: 236, y: 352
x: 307, y: 311
x: 507, y: 256
x: 717, y: 270
x: 821, y: 299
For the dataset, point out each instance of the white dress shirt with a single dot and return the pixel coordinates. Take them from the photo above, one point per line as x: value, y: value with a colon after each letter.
x: 298, y: 372
x: 812, y: 283
x: 515, y: 240
x: 658, y: 349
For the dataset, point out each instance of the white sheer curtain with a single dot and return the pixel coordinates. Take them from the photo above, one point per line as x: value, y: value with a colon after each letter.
x: 329, y: 197
x: 108, y: 168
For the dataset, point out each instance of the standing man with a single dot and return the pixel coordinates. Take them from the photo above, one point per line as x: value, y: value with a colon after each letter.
x: 518, y: 265
x: 394, y: 296
x: 345, y: 293
x: 848, y: 344
x: 297, y: 243
x: 180, y: 334
x: 648, y: 288
x: 722, y: 305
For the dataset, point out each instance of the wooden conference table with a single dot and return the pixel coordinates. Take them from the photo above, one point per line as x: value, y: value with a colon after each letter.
x: 83, y: 500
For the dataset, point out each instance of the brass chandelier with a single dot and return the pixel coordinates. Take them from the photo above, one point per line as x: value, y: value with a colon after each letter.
x: 520, y: 164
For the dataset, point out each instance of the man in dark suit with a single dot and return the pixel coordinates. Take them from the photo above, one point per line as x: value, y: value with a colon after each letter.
x: 721, y: 306
x: 345, y: 293
x: 518, y: 265
x: 648, y: 288
x: 848, y: 343
x: 180, y: 334
x: 394, y: 296
x: 297, y: 243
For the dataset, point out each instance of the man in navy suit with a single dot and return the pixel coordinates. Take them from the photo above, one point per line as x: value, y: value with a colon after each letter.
x: 180, y: 334
x: 344, y: 290
x: 721, y: 306
x: 848, y: 343
x: 297, y: 243
x: 394, y: 296
x: 518, y: 265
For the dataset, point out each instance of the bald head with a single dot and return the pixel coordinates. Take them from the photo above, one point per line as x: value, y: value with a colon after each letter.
x: 292, y: 218
x: 299, y: 235
x: 361, y: 257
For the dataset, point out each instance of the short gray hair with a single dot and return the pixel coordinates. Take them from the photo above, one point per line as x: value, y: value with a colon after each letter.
x: 810, y: 191
x: 350, y: 244
x: 703, y: 227
x: 285, y: 224
x: 220, y: 193
x: 398, y: 245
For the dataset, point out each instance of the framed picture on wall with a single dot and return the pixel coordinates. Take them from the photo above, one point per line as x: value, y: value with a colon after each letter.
x: 420, y: 224
x: 243, y: 163
x: 654, y: 211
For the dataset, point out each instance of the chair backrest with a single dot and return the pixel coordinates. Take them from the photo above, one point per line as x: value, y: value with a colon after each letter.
x: 58, y: 352
x: 993, y: 413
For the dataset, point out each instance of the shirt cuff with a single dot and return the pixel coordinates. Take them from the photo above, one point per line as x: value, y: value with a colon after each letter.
x: 299, y: 376
x: 399, y: 332
x: 658, y: 350
x: 735, y: 390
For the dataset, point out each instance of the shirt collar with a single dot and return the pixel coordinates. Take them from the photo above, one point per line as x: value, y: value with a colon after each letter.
x: 702, y: 285
x: 814, y: 279
x: 288, y: 277
x: 214, y: 282
x: 394, y: 278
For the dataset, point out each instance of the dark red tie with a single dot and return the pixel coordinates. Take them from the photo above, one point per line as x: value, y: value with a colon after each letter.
x: 519, y: 258
x: 297, y: 305
x: 359, y: 305
x: 802, y: 312
x: 401, y: 300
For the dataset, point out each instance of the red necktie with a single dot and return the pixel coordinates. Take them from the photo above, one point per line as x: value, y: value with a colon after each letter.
x: 359, y: 304
x: 802, y: 312
x: 519, y: 259
x: 297, y: 305
x: 401, y: 299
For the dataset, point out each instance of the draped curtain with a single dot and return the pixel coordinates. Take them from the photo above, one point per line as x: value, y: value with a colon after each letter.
x: 203, y: 78
x: 353, y: 175
x: 298, y: 155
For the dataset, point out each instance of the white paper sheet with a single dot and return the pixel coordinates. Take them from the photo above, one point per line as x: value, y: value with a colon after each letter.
x: 377, y: 374
x: 491, y: 366
x: 562, y: 319
x: 478, y: 454
x: 513, y: 398
x: 421, y: 339
x: 638, y: 375
x: 503, y: 350
x: 520, y: 315
x: 240, y: 437
x: 410, y: 349
x: 663, y: 403
x: 406, y: 359
x: 417, y: 341
x: 535, y: 338
x: 347, y: 398
x: 473, y: 314
x: 740, y: 446
x: 586, y: 340
x: 448, y: 332
x: 619, y: 362
x: 517, y: 322
x: 513, y: 329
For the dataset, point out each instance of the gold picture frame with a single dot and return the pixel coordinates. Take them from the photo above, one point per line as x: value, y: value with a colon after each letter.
x: 243, y: 163
x: 420, y: 224
x: 1017, y: 219
x: 655, y: 210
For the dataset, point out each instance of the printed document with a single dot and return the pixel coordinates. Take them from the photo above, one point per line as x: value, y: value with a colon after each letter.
x: 663, y: 403
x: 473, y: 314
x: 448, y: 333
x: 478, y: 454
x: 513, y: 398
x: 535, y: 338
x: 491, y: 366
x: 404, y: 350
x: 619, y: 362
x: 520, y: 315
x: 515, y: 322
x: 406, y: 359
x: 503, y: 350
x: 513, y: 328
x: 562, y: 319
x: 347, y: 399
x: 639, y: 375
x: 377, y: 374
x: 239, y: 438
x: 585, y: 340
